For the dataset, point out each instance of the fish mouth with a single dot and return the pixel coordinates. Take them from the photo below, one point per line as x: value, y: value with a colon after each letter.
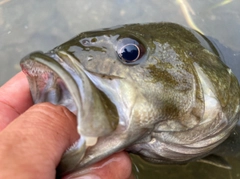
x: 45, y: 83
x: 60, y: 79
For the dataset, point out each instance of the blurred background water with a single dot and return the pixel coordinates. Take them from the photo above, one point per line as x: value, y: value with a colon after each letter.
x: 30, y: 25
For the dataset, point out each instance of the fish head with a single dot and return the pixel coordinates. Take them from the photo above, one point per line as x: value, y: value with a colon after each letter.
x: 125, y: 84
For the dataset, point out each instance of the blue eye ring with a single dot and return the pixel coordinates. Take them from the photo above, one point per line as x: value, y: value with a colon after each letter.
x: 129, y: 56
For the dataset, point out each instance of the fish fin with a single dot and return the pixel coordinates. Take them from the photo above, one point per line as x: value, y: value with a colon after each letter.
x: 216, y: 161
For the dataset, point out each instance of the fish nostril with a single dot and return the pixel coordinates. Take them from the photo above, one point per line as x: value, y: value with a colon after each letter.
x: 85, y: 42
x: 93, y: 40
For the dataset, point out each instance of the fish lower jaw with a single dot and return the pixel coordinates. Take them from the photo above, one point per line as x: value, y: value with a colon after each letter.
x: 76, y: 152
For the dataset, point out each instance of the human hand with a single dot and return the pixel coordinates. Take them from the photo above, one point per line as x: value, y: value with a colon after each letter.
x: 34, y: 137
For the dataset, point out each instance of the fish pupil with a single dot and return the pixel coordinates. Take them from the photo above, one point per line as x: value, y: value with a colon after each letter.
x: 129, y: 52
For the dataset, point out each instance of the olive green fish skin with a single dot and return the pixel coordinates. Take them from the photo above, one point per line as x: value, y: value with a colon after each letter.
x: 176, y: 103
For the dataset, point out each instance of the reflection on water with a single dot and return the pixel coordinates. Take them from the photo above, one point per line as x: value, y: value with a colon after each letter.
x: 195, y: 170
x: 30, y: 25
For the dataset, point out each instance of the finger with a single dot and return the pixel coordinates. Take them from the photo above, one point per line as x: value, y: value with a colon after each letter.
x: 117, y: 166
x: 32, y: 145
x: 15, y: 98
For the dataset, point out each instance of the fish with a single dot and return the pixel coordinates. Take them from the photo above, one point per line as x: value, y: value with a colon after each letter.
x: 158, y: 90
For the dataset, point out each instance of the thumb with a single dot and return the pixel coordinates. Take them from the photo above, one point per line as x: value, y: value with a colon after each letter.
x: 32, y: 145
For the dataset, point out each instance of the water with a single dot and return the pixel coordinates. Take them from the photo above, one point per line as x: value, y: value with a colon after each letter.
x: 30, y: 25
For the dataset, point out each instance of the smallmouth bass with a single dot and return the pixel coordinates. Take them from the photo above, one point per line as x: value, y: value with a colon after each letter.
x: 158, y: 90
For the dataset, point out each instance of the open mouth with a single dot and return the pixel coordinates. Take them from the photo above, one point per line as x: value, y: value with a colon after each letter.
x: 60, y: 79
x: 45, y: 84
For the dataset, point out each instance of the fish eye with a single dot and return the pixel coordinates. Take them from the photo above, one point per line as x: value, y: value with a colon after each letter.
x: 129, y: 50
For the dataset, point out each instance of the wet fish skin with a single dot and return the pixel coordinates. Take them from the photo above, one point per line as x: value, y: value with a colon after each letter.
x: 174, y: 104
